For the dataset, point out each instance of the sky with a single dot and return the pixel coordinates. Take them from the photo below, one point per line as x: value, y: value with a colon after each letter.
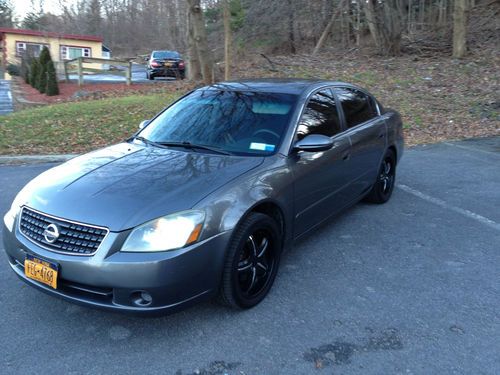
x: 21, y: 7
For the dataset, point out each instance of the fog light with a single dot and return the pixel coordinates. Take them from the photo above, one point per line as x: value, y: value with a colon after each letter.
x: 141, y: 298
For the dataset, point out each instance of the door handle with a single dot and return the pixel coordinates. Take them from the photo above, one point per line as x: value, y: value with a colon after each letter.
x: 346, y: 156
x: 381, y: 135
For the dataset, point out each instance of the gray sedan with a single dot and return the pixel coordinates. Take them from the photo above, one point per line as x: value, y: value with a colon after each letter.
x: 205, y: 197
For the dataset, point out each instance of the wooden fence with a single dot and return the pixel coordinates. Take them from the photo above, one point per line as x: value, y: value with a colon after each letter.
x: 76, y: 66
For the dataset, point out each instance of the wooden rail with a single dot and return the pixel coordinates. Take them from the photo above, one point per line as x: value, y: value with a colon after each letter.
x: 80, y: 68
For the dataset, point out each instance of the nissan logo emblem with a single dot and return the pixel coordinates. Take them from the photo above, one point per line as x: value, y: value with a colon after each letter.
x: 51, y: 233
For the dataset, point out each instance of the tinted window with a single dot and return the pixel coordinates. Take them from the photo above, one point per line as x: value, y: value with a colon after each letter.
x: 320, y: 116
x: 248, y: 123
x: 165, y: 55
x: 356, y: 105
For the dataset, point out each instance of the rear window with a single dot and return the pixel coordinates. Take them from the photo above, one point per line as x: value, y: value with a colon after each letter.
x: 357, y: 106
x: 166, y: 55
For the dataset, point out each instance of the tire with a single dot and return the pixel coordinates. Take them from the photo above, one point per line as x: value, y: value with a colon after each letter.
x: 150, y: 76
x: 381, y: 191
x: 252, y: 261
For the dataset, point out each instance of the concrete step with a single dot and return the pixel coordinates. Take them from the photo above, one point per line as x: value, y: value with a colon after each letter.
x: 5, y: 98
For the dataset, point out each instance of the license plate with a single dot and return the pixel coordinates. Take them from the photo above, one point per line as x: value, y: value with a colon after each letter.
x: 167, y: 65
x: 41, y: 270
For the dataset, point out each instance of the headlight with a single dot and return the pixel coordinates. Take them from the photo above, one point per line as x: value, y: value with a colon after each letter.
x: 10, y: 218
x: 20, y: 199
x: 166, y: 233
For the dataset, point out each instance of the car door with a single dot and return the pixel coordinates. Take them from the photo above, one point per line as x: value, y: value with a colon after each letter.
x: 319, y: 177
x: 367, y: 133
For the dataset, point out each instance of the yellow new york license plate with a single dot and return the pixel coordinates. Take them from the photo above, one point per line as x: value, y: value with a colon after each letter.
x: 41, y: 270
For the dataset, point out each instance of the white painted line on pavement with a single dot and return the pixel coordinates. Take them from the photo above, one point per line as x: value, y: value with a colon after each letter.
x: 442, y: 203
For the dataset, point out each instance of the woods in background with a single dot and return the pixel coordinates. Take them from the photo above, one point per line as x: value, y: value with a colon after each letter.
x: 385, y: 27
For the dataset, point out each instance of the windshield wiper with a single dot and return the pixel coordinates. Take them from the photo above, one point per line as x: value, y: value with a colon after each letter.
x: 147, y: 141
x: 184, y: 144
x: 190, y: 145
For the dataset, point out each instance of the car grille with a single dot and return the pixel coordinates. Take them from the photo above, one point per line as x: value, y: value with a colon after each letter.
x: 74, y: 238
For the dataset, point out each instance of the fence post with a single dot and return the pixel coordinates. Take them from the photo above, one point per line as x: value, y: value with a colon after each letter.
x: 129, y: 73
x: 80, y: 71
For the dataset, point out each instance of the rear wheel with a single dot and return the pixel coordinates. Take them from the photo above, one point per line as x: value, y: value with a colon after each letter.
x: 251, y: 263
x: 150, y: 76
x: 382, y: 189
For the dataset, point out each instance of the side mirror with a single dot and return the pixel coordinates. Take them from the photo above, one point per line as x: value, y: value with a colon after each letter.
x: 314, y: 143
x: 143, y: 124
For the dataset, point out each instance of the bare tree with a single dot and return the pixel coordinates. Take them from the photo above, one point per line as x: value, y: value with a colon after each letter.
x: 193, y: 66
x: 384, y: 22
x: 327, y: 29
x: 460, y: 28
x: 135, y: 27
x: 227, y: 39
x: 200, y: 39
x: 6, y: 13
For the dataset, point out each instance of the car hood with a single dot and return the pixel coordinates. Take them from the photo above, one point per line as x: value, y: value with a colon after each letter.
x: 125, y: 185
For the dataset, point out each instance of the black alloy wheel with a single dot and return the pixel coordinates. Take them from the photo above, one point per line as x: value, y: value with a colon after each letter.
x: 252, y: 262
x: 382, y: 189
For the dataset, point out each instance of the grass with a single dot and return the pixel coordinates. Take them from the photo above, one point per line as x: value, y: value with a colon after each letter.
x: 77, y: 127
x: 439, y: 99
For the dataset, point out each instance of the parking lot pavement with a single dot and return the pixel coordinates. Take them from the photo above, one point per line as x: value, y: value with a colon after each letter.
x: 409, y: 287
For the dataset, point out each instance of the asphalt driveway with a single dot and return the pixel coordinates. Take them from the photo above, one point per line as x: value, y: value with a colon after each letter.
x: 410, y: 287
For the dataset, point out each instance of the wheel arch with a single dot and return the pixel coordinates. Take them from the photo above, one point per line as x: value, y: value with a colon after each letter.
x: 394, y: 149
x: 272, y: 209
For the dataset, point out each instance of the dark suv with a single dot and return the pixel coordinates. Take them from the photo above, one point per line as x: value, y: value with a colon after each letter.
x: 165, y: 64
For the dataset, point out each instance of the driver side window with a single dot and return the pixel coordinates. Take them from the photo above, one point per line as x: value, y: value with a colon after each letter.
x: 320, y: 116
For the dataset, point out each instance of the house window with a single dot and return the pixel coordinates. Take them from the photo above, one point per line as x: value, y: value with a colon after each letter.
x: 32, y: 49
x: 69, y: 53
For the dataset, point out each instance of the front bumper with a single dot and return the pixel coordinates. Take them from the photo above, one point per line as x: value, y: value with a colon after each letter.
x: 111, y: 279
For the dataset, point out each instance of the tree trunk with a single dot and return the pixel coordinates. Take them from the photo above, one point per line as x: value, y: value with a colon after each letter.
x: 421, y: 14
x: 327, y: 29
x: 372, y: 21
x: 384, y: 21
x: 200, y: 39
x: 291, y: 21
x: 348, y: 23
x: 460, y: 28
x: 442, y: 13
x: 227, y: 40
x: 194, y: 68
x: 358, y: 24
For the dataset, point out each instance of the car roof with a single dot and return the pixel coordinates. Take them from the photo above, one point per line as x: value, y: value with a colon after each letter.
x: 295, y: 86
x: 165, y: 50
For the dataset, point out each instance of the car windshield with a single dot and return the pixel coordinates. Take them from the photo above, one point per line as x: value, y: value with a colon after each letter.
x: 165, y: 55
x: 242, y: 123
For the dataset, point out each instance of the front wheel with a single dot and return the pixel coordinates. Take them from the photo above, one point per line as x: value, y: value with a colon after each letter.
x: 251, y: 263
x: 382, y: 189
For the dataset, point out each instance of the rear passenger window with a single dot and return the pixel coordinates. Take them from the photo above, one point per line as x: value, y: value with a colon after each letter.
x: 320, y: 116
x: 356, y: 105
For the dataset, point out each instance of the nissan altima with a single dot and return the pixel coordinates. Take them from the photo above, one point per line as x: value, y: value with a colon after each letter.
x: 204, y: 198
